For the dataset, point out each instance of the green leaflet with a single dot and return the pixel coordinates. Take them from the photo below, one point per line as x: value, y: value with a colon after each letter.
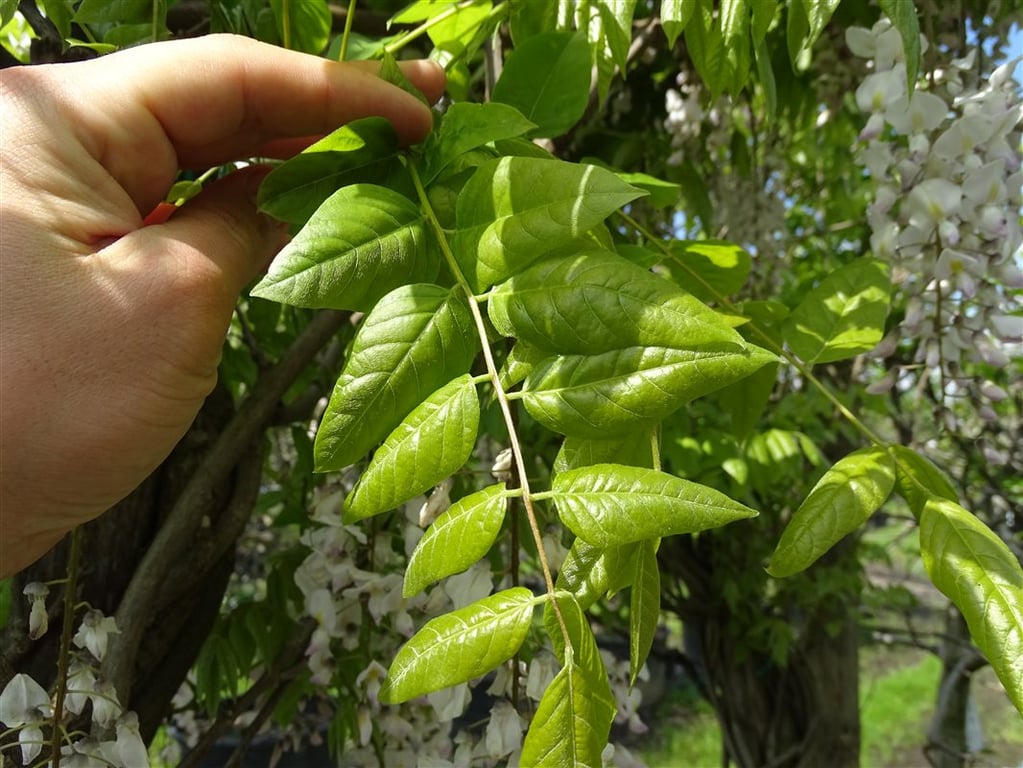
x: 589, y: 572
x: 597, y: 396
x: 459, y: 537
x: 709, y: 269
x: 595, y: 302
x: 634, y: 448
x: 903, y: 17
x: 746, y: 400
x: 305, y: 26
x: 363, y: 151
x: 918, y: 480
x: 547, y: 79
x: 432, y: 443
x: 114, y: 11
x: 848, y: 494
x: 610, y: 504
x: 573, y: 720
x: 617, y: 17
x: 460, y: 645
x: 644, y: 606
x: 417, y: 338
x: 675, y: 14
x: 978, y: 572
x: 843, y: 316
x: 515, y: 209
x: 703, y: 43
x: 467, y: 126
x: 735, y: 39
x: 363, y: 242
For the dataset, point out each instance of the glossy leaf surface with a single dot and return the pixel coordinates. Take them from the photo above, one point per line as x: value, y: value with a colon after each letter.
x: 515, y: 209
x: 416, y: 339
x: 467, y: 126
x: 363, y: 242
x: 460, y: 645
x: 841, y: 501
x: 596, y: 396
x: 610, y: 504
x: 918, y: 480
x: 432, y: 443
x: 459, y: 537
x: 978, y: 572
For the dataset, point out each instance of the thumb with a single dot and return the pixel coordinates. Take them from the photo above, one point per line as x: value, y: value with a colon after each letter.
x: 223, y: 225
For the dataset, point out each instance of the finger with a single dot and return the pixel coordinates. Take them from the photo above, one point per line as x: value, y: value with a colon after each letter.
x: 221, y: 97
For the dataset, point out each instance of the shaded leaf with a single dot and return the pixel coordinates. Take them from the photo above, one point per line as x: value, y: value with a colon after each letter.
x: 978, y: 572
x: 303, y: 26
x: 918, y: 480
x: 709, y: 269
x: 547, y: 79
x: 843, y: 316
x: 432, y: 443
x: 610, y: 504
x: 459, y: 537
x: 363, y: 151
x: 113, y: 11
x: 363, y: 242
x: 416, y: 339
x: 515, y: 209
x: 841, y: 501
x: 634, y: 448
x: 644, y: 606
x: 460, y: 645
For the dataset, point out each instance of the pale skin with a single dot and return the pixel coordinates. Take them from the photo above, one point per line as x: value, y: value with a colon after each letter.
x: 111, y: 331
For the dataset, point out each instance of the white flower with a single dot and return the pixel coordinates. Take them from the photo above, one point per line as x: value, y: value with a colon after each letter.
x: 81, y: 683
x: 321, y: 659
x: 450, y: 702
x: 931, y: 202
x: 502, y: 469
x: 371, y: 678
x: 24, y: 705
x: 364, y: 719
x: 320, y: 605
x: 94, y: 633
x: 105, y: 706
x: 469, y: 586
x: 130, y: 748
x: 880, y: 89
x: 542, y: 671
x: 38, y: 617
x: 504, y: 731
x: 438, y: 501
x: 992, y: 391
x: 921, y: 113
x: 1007, y: 327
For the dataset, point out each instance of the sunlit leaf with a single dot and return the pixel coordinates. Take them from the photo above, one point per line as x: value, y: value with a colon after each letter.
x: 363, y: 242
x: 303, y: 26
x: 610, y: 504
x: 978, y: 572
x: 515, y: 209
x: 459, y: 537
x: 597, y: 396
x: 709, y: 269
x: 460, y: 645
x: 675, y: 14
x: 843, y: 316
x: 467, y: 126
x: 432, y: 443
x: 841, y: 501
x: 416, y: 339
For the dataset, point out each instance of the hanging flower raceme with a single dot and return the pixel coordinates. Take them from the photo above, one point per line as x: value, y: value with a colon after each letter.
x: 25, y: 706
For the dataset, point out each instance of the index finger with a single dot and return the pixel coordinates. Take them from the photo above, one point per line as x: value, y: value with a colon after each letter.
x: 222, y: 97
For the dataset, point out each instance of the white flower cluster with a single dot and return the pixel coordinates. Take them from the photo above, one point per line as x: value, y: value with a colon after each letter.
x: 946, y: 164
x: 26, y: 707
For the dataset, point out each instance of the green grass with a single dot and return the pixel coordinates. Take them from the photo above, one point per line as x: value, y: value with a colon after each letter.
x: 895, y: 707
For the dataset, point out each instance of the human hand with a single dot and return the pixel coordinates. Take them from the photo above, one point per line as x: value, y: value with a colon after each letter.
x: 111, y: 331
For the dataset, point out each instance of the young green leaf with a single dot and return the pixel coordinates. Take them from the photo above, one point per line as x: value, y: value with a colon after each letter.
x: 634, y: 448
x: 117, y: 12
x: 978, y: 572
x: 417, y: 338
x: 459, y: 537
x: 644, y: 606
x: 572, y: 722
x: 703, y: 44
x: 547, y: 79
x: 848, y: 494
x: 735, y: 39
x: 363, y: 151
x: 302, y: 26
x: 460, y: 645
x: 363, y: 242
x: 597, y: 396
x: 466, y: 126
x: 595, y: 302
x: 918, y: 481
x: 675, y: 15
x: 617, y: 17
x: 514, y: 210
x: 843, y: 316
x: 903, y: 18
x: 609, y: 504
x: 432, y: 443
x: 590, y: 573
